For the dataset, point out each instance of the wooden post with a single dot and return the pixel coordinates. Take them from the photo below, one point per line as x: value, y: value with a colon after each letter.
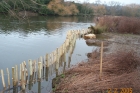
x: 61, y: 50
x: 24, y: 64
x: 101, y: 58
x: 65, y: 52
x: 43, y: 63
x: 22, y: 67
x: 69, y: 60
x: 68, y: 42
x: 53, y: 60
x: 33, y: 70
x: 35, y: 66
x: 8, y: 77
x: 25, y: 68
x: 16, y: 74
x: 39, y: 70
x: 13, y: 76
x: 58, y: 57
x: 57, y: 61
x: 2, y: 77
x: 20, y: 72
x: 49, y: 60
x: 64, y: 66
x: 41, y: 60
x: 64, y: 47
x: 23, y: 80
x: 30, y: 67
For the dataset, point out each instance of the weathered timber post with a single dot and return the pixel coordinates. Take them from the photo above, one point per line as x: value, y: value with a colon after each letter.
x: 58, y: 57
x: 41, y: 60
x: 16, y: 74
x: 25, y: 68
x: 2, y: 77
x: 20, y: 72
x: 57, y: 61
x: 39, y: 69
x: 23, y: 80
x: 13, y: 76
x: 30, y: 67
x: 101, y: 59
x: 8, y: 77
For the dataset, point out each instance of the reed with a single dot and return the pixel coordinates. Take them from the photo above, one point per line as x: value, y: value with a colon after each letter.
x: 119, y: 24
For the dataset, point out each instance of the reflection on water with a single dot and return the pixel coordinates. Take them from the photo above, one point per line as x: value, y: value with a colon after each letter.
x: 21, y: 41
x: 44, y: 85
x: 34, y: 24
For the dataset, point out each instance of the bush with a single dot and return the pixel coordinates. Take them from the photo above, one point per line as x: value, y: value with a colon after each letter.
x: 97, y: 29
x: 119, y: 24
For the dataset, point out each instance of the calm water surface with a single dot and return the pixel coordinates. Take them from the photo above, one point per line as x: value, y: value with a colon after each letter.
x: 30, y: 39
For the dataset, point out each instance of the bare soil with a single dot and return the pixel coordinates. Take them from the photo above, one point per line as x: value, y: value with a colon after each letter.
x: 121, y: 68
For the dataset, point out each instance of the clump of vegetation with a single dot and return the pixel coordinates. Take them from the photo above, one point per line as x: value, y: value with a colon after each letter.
x: 97, y: 29
x: 63, y: 9
x: 119, y: 70
x: 42, y: 7
x: 119, y: 24
x: 124, y: 62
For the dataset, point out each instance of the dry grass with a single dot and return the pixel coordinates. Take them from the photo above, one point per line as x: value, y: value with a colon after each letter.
x: 119, y: 71
x: 120, y: 24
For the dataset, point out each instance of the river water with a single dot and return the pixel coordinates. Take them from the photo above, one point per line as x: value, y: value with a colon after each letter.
x: 36, y: 36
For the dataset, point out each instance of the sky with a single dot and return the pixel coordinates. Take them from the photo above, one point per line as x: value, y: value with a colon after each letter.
x: 102, y: 1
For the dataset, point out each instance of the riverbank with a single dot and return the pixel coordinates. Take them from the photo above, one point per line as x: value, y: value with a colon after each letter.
x: 121, y: 69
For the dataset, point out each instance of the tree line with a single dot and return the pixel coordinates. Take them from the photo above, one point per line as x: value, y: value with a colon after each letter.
x: 68, y: 8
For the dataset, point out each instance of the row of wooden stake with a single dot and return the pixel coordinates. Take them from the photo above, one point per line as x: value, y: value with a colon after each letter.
x: 43, y: 62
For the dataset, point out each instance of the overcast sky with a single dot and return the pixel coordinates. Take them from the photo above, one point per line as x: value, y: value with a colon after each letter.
x: 121, y: 1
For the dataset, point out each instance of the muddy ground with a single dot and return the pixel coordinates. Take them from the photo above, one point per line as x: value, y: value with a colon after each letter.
x: 121, y: 68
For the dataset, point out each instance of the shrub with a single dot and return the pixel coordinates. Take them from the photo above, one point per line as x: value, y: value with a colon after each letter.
x: 97, y: 29
x: 120, y: 24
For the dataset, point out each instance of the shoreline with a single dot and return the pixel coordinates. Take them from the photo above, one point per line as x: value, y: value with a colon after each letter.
x: 84, y: 78
x: 31, y: 13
